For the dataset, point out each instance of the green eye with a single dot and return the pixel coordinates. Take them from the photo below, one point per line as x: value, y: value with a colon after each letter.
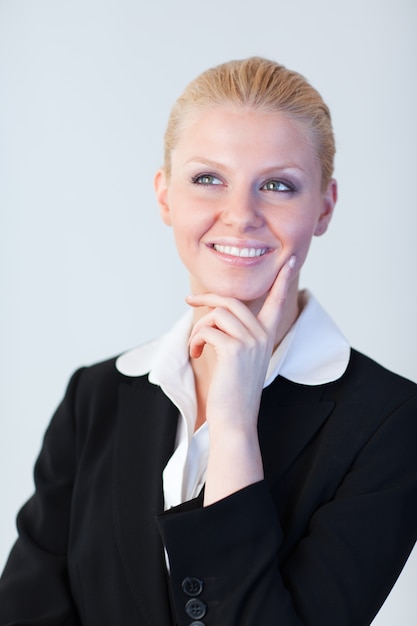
x: 206, y: 179
x: 277, y: 185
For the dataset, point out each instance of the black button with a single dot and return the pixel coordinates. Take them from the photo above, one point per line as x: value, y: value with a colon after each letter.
x: 195, y: 608
x: 197, y: 623
x: 192, y: 586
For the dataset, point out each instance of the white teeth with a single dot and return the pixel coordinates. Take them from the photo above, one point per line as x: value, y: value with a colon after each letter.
x: 234, y: 251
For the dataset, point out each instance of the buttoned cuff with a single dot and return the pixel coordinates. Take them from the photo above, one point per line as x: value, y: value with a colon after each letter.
x: 219, y: 551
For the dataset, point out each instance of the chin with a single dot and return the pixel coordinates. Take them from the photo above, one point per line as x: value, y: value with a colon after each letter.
x: 243, y: 294
x: 246, y: 291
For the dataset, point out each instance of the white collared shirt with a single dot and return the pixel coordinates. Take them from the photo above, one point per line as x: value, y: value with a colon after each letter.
x: 313, y: 352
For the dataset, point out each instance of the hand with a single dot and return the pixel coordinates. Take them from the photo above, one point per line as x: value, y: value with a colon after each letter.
x: 243, y: 344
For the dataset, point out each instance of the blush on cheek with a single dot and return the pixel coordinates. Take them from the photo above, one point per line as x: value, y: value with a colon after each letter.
x: 300, y: 254
x: 302, y: 242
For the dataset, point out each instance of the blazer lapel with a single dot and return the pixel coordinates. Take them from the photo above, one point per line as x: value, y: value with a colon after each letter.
x: 290, y: 415
x: 147, y: 424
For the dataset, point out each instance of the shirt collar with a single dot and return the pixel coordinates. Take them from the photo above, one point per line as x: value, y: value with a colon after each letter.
x: 313, y: 352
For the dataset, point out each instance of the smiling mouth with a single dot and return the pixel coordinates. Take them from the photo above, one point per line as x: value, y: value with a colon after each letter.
x: 241, y: 252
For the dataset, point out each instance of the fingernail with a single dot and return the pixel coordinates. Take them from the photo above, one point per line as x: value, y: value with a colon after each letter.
x: 291, y: 261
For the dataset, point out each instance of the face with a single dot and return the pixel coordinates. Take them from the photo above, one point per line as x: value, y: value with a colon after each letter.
x: 243, y: 196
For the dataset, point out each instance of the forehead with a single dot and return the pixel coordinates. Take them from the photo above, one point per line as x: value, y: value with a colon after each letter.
x: 241, y: 131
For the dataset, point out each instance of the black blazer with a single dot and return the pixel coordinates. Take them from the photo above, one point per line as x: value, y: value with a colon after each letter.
x: 319, y: 542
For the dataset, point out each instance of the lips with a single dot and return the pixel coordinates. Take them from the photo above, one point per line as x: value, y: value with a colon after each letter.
x: 239, y: 252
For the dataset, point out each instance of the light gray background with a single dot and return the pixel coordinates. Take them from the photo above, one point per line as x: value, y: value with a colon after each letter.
x: 88, y: 269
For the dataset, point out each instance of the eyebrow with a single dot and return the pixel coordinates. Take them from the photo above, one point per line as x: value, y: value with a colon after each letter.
x: 218, y: 165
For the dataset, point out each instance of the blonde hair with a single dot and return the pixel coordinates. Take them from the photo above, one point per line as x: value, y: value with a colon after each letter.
x: 263, y: 85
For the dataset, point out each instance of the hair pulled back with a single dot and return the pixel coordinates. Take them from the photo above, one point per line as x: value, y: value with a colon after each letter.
x: 262, y: 85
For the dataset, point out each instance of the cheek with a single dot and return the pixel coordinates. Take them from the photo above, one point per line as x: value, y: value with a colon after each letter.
x: 297, y: 233
x: 187, y: 231
x: 296, y: 239
x: 190, y: 221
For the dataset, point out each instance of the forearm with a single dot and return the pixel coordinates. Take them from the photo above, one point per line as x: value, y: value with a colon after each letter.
x: 234, y: 462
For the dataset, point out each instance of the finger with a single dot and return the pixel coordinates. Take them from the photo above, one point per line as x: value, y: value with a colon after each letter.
x: 223, y: 320
x: 273, y: 306
x: 210, y: 335
x: 234, y: 306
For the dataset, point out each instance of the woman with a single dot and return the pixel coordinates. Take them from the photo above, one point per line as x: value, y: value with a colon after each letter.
x: 248, y: 467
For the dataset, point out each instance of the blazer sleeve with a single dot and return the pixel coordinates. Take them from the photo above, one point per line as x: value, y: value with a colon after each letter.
x: 224, y: 562
x: 34, y: 587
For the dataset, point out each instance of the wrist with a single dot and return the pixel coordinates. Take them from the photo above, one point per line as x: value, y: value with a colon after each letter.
x: 234, y: 462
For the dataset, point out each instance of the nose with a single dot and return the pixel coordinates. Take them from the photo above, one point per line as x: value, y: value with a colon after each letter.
x: 242, y: 211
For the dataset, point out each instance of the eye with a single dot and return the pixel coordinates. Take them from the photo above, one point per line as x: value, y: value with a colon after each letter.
x: 206, y: 179
x: 277, y: 185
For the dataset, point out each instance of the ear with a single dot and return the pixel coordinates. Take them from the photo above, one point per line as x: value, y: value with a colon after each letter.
x: 161, y: 192
x: 329, y: 198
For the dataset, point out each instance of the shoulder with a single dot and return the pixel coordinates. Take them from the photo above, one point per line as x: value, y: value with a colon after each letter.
x: 98, y: 384
x: 363, y: 373
x: 370, y: 393
x: 94, y: 399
